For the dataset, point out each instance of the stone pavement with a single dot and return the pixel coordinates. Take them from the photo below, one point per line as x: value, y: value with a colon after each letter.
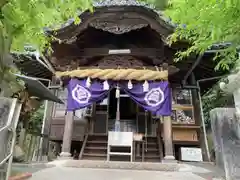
x: 100, y: 170
x: 65, y: 173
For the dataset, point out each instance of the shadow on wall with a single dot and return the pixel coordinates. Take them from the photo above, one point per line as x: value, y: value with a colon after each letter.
x: 225, y: 129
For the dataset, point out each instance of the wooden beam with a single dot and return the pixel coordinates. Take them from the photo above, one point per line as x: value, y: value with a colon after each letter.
x: 91, y: 52
x: 3, y: 3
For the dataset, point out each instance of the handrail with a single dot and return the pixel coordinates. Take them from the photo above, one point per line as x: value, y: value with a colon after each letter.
x: 8, y: 156
x: 11, y: 126
x: 159, y: 141
x: 5, y: 159
x: 83, y: 146
x: 5, y: 127
x: 84, y: 141
x: 160, y: 147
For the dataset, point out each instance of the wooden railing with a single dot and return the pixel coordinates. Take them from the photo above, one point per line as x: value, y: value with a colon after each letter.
x: 160, y: 147
x: 83, y: 146
x: 85, y: 140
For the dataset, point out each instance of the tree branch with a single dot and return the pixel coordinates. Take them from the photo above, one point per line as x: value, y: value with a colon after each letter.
x: 3, y: 3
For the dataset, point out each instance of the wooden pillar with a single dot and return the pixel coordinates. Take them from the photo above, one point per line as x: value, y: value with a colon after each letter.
x: 67, y: 136
x: 168, y: 144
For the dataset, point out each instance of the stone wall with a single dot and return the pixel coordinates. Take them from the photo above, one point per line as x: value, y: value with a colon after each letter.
x: 226, y: 137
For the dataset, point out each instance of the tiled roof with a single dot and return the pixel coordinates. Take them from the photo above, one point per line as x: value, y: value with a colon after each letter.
x: 111, y: 3
x: 106, y: 3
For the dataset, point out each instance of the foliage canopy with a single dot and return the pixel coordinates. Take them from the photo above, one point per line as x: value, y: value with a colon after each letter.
x: 202, y: 22
x: 22, y: 22
x: 207, y: 22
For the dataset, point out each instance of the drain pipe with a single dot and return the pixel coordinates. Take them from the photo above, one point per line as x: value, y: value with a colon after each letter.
x: 201, y: 111
x: 196, y: 63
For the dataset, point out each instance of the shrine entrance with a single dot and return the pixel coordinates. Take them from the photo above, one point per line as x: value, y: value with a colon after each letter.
x: 127, y: 112
x: 133, y: 118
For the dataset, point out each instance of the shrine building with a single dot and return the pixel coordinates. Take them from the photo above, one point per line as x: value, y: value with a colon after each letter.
x: 125, y: 98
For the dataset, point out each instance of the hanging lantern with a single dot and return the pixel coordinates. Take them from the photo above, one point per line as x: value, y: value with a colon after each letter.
x: 145, y: 86
x: 88, y: 82
x: 105, y: 85
x: 130, y: 85
x: 117, y: 92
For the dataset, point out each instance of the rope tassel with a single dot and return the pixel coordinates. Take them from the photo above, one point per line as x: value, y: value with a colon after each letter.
x: 117, y: 92
x: 130, y: 85
x: 105, y: 85
x: 88, y: 82
x: 145, y: 86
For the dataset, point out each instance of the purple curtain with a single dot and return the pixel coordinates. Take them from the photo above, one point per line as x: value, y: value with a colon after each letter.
x: 80, y: 96
x: 156, y: 100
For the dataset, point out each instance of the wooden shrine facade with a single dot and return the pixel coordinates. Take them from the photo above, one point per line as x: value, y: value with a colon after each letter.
x: 122, y: 36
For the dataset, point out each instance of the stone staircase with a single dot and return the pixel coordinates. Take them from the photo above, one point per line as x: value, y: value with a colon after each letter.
x: 96, y: 149
x: 152, y: 151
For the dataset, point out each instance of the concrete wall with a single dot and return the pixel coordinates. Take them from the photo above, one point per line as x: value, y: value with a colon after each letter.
x: 226, y: 137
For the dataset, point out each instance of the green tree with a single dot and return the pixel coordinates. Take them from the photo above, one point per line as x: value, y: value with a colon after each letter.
x: 22, y: 22
x: 35, y: 120
x: 201, y: 22
x: 204, y: 23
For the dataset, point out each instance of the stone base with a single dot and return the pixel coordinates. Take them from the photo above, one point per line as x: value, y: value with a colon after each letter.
x: 148, y: 166
x: 65, y: 155
x: 169, y: 159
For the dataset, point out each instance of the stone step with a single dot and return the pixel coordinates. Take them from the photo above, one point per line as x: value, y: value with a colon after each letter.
x: 96, y: 148
x: 152, y: 160
x: 97, y: 138
x: 151, y: 149
x: 151, y: 166
x: 96, y: 142
x: 94, y: 158
x: 151, y: 156
x: 94, y: 155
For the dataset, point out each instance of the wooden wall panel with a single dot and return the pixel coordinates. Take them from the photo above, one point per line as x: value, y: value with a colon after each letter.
x: 57, y: 130
x: 185, y: 135
x: 101, y: 123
